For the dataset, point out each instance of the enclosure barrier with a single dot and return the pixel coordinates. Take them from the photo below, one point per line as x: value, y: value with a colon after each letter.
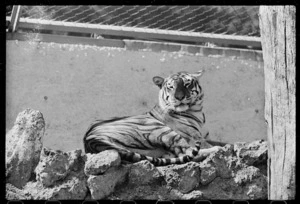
x: 109, y: 29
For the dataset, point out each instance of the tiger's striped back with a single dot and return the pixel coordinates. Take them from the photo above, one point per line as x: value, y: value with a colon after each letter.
x: 170, y: 133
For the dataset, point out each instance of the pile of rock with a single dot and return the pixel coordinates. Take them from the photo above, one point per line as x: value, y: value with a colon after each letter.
x: 236, y: 171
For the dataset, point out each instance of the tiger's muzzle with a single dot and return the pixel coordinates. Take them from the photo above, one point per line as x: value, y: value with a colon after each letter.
x: 181, y: 91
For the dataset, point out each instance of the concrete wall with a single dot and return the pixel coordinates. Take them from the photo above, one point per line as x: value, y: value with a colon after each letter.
x: 74, y: 84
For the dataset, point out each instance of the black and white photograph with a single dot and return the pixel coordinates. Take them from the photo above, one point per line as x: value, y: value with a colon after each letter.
x: 150, y: 102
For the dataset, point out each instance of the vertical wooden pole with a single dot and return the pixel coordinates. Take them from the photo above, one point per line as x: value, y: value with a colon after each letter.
x: 278, y: 35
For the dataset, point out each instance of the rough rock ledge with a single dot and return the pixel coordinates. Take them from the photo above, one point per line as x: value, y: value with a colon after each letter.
x: 236, y: 171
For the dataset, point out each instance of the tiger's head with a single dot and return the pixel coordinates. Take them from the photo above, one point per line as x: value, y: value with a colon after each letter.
x: 180, y: 92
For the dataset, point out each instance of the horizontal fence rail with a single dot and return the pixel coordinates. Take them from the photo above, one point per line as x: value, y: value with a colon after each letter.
x: 230, y: 20
x: 140, y: 33
x: 181, y: 24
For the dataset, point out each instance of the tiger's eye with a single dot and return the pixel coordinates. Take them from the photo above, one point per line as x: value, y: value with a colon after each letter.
x: 194, y: 92
x: 170, y: 86
x: 189, y: 86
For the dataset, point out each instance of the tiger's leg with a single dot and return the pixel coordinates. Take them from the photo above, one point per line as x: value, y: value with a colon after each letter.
x: 183, y: 147
x: 173, y: 143
x: 203, y: 153
x: 216, y: 143
x: 208, y: 147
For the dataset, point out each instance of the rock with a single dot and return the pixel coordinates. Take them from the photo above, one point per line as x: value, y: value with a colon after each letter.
x: 144, y: 182
x: 216, y: 162
x: 208, y: 174
x: 227, y: 175
x: 184, y: 177
x: 103, y: 185
x: 99, y: 163
x: 194, y: 195
x: 23, y: 147
x: 71, y: 188
x: 257, y: 192
x: 253, y: 181
x: 143, y: 192
x: 13, y: 193
x: 144, y: 173
x: 246, y: 175
x: 55, y: 165
x: 60, y: 175
x: 253, y: 153
x: 235, y: 171
x: 224, y: 163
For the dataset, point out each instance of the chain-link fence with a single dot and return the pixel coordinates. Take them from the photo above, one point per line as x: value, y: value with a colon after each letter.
x: 240, y: 21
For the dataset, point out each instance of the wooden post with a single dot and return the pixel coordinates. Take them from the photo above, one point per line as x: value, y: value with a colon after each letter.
x: 278, y: 35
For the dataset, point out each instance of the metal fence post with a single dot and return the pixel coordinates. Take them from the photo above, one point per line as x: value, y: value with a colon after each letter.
x: 15, y: 16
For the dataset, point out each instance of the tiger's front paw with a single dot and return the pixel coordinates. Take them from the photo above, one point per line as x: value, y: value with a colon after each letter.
x: 203, y: 153
x: 187, y: 150
x: 193, y: 151
x: 180, y: 151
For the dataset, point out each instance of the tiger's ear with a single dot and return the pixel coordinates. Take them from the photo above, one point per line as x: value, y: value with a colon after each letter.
x: 198, y: 74
x: 158, y: 81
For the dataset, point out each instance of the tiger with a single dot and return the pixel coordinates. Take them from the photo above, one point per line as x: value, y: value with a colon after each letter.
x: 171, y: 132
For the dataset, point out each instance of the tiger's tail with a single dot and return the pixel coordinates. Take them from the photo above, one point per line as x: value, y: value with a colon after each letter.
x: 135, y: 157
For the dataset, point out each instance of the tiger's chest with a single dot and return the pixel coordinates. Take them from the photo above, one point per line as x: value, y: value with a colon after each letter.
x: 186, y: 126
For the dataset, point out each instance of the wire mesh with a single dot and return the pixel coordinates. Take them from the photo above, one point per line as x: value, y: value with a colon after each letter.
x: 230, y: 20
x: 9, y: 10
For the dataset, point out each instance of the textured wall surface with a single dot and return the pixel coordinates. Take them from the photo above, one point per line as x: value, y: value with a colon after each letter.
x: 74, y: 84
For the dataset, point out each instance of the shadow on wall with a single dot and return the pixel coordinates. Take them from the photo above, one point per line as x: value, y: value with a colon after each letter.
x: 72, y: 85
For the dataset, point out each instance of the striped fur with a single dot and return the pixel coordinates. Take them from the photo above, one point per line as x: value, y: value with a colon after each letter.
x: 170, y: 133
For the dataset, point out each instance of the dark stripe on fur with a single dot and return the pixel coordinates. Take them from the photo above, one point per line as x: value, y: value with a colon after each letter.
x: 135, y: 157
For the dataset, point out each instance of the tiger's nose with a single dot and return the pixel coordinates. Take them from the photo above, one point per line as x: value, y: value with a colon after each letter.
x: 179, y: 95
